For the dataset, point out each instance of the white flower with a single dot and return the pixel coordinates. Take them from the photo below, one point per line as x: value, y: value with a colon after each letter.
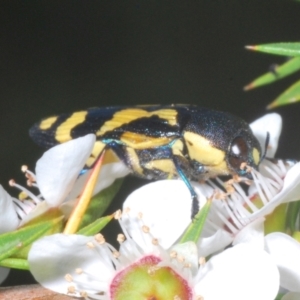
x: 8, y: 217
x: 56, y: 177
x: 166, y: 205
x: 89, y: 267
x: 56, y: 173
x: 285, y: 252
x: 57, y: 180
x: 230, y: 213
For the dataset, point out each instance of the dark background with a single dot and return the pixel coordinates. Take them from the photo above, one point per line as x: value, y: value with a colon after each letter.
x: 61, y: 56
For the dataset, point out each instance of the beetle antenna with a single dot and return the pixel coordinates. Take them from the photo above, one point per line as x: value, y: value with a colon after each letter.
x: 266, y: 146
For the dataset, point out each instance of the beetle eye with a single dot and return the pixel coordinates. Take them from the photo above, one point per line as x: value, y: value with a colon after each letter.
x: 238, y: 152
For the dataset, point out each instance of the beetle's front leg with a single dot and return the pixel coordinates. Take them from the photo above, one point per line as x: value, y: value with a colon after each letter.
x: 184, y: 172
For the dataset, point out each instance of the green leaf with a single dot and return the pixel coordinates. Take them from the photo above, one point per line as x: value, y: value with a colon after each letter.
x: 100, y: 202
x: 96, y: 226
x: 194, y: 230
x: 12, y: 242
x: 286, y: 49
x: 291, y: 95
x: 291, y: 66
x: 292, y: 214
x: 15, y: 263
x: 276, y: 221
x: 279, y: 296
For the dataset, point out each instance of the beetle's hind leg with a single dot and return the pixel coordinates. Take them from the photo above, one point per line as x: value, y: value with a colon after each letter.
x: 182, y: 167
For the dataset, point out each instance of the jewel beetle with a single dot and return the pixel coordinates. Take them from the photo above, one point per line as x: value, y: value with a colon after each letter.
x: 158, y: 142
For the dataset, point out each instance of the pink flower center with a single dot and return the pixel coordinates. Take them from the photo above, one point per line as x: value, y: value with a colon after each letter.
x: 147, y: 280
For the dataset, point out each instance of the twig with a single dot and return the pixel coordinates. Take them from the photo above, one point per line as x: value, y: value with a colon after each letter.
x: 30, y: 292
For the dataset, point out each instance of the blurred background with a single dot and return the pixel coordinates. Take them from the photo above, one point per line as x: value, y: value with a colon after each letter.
x: 62, y: 56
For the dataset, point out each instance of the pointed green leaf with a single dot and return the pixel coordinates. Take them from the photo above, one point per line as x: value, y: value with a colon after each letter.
x: 53, y: 215
x: 100, y: 202
x: 193, y: 232
x: 12, y: 242
x: 15, y: 263
x: 96, y: 226
x: 291, y: 95
x: 291, y: 66
x: 286, y: 49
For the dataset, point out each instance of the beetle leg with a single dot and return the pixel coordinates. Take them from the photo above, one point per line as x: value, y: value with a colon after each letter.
x: 180, y: 165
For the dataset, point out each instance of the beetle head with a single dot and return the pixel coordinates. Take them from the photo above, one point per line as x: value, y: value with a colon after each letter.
x: 244, y: 151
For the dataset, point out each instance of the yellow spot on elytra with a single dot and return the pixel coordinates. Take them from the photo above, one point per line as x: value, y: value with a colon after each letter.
x: 63, y: 131
x: 47, y: 123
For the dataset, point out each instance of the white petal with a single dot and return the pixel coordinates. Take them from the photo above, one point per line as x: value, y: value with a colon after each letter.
x: 41, y: 208
x: 166, y: 209
x: 290, y: 192
x: 8, y: 217
x: 291, y: 186
x: 52, y: 257
x: 108, y: 174
x: 271, y: 123
x: 286, y: 252
x: 214, y: 243
x: 60, y: 166
x: 252, y: 234
x: 3, y: 273
x: 189, y: 251
x: 240, y: 272
x: 291, y: 296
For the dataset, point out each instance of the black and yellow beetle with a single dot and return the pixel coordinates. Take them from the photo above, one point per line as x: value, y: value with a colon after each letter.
x: 158, y: 142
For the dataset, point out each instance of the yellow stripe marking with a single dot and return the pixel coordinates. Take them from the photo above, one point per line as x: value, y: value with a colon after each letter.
x: 63, y: 131
x: 109, y: 157
x: 126, y: 116
x: 201, y: 150
x: 134, y: 161
x: 141, y: 141
x: 177, y: 148
x: 47, y: 123
x: 165, y: 165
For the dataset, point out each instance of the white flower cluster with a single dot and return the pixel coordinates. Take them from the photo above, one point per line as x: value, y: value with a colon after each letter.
x: 244, y: 262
